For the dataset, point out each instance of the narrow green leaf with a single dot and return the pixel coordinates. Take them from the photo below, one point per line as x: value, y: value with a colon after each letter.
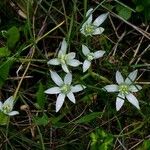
x: 88, y: 118
x: 3, y: 119
x: 13, y: 36
x: 4, y: 71
x: 40, y: 96
x: 123, y: 12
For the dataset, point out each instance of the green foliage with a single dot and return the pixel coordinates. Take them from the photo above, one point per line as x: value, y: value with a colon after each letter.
x: 88, y: 118
x: 124, y: 12
x: 13, y: 37
x: 143, y: 6
x: 4, y: 71
x: 3, y: 119
x: 145, y: 145
x: 4, y: 52
x: 101, y: 140
x: 40, y: 96
x: 41, y: 121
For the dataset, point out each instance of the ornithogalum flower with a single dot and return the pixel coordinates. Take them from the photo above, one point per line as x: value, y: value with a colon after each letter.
x: 90, y: 56
x: 64, y: 89
x: 125, y: 89
x: 90, y: 28
x: 65, y: 59
x: 7, y: 107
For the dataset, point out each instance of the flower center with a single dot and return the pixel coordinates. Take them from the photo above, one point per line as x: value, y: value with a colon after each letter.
x: 124, y: 89
x: 90, y: 56
x: 65, y: 88
x: 89, y: 29
x: 62, y: 59
x: 6, y: 109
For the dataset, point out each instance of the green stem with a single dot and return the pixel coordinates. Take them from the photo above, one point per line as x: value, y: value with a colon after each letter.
x: 93, y: 74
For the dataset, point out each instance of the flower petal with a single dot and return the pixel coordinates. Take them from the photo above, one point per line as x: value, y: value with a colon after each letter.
x: 54, y: 61
x: 97, y: 31
x: 53, y: 90
x: 119, y: 101
x: 56, y: 78
x: 89, y: 12
x: 131, y: 77
x: 133, y: 100
x: 71, y: 97
x: 119, y: 78
x: 100, y: 19
x: 63, y: 48
x: 73, y: 62
x: 98, y: 54
x: 9, y: 102
x: 68, y: 78
x: 77, y: 88
x: 65, y: 68
x: 12, y: 113
x: 60, y: 101
x: 86, y: 65
x: 1, y: 105
x: 71, y: 55
x: 85, y: 50
x: 111, y: 88
x: 135, y: 88
x: 89, y: 15
x: 82, y: 30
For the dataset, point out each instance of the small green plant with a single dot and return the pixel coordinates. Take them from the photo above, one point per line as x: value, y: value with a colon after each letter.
x: 101, y: 140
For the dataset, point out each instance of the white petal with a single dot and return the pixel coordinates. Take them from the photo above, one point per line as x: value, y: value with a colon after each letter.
x: 111, y: 88
x: 89, y: 12
x: 9, y: 102
x: 85, y: 50
x: 119, y: 78
x: 68, y: 78
x: 73, y: 62
x: 60, y: 101
x: 56, y: 78
x: 135, y: 88
x: 89, y: 15
x: 86, y: 65
x: 131, y: 77
x: 60, y: 54
x: 100, y: 19
x: 71, y: 55
x: 82, y: 30
x: 12, y: 113
x: 97, y: 31
x: 1, y: 105
x: 65, y: 68
x: 133, y: 100
x: 119, y: 101
x: 98, y: 54
x: 63, y: 48
x: 71, y: 97
x: 54, y: 61
x: 77, y: 88
x: 53, y: 90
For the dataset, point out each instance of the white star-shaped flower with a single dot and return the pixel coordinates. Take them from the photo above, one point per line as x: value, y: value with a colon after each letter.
x: 7, y: 107
x: 64, y: 59
x: 125, y: 89
x: 90, y: 56
x: 93, y: 28
x: 64, y: 89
